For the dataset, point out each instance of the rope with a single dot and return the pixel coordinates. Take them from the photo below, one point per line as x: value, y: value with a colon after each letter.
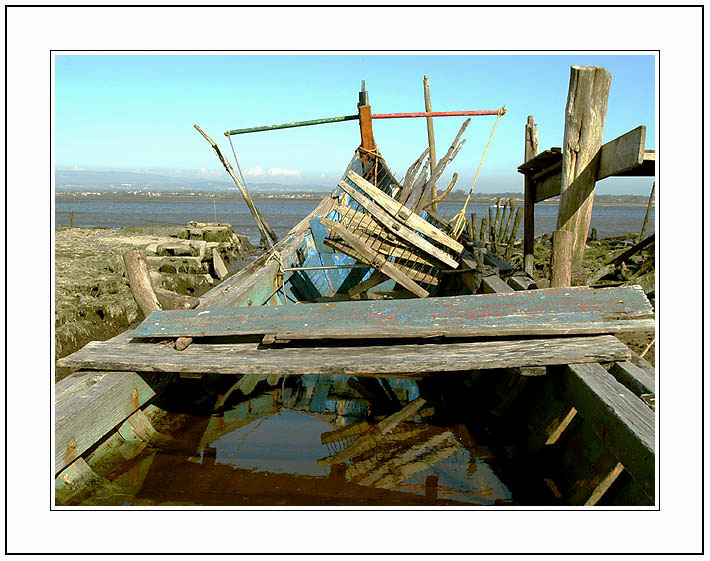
x: 459, y: 219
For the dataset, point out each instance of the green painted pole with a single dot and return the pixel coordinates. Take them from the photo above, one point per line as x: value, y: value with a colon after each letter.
x: 292, y: 125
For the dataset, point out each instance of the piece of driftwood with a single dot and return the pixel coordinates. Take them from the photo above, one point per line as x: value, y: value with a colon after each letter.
x: 623, y: 421
x: 170, y: 300
x: 494, y: 284
x: 638, y: 380
x: 86, y: 415
x: 632, y: 250
x: 377, y: 277
x: 585, y: 115
x: 561, y: 258
x: 125, y: 353
x: 443, y: 195
x: 411, y: 173
x: 139, y: 279
x: 553, y: 311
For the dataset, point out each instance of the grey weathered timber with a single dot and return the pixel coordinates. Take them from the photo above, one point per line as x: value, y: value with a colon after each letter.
x: 624, y: 422
x: 403, y: 214
x: 622, y: 154
x: 651, y: 201
x: 552, y: 311
x: 124, y: 353
x: 87, y: 415
x: 632, y: 250
x: 373, y: 258
x: 585, y: 115
x: 397, y: 227
x: 139, y: 279
x: 521, y: 282
x: 494, y: 284
x: 561, y: 258
x: 531, y: 148
x: 637, y: 379
x: 375, y: 278
x: 430, y: 136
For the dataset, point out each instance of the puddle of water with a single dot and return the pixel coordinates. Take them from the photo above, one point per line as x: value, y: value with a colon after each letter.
x: 315, y: 440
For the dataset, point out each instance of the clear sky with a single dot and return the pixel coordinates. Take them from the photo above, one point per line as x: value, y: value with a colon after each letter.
x: 136, y: 112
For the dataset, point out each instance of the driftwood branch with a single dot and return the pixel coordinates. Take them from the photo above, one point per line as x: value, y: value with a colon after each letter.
x: 260, y: 222
x: 443, y: 195
x: 139, y: 279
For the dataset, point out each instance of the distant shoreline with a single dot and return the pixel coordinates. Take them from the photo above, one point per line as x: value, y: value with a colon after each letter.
x: 80, y: 197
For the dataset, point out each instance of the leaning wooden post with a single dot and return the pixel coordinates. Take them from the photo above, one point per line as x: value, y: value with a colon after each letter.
x: 514, y: 234
x: 531, y: 147
x: 430, y: 134
x: 474, y: 226
x: 484, y: 229
x: 585, y: 115
x: 71, y: 218
x: 648, y: 211
x: 560, y: 259
x: 139, y: 279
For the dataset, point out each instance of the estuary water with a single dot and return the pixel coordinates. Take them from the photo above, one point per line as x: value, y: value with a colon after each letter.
x: 283, y: 214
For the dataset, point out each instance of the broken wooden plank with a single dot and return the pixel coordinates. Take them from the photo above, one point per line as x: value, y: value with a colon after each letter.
x: 494, y: 284
x: 396, y: 227
x: 82, y: 419
x: 373, y: 258
x: 552, y: 311
x: 622, y: 154
x: 637, y: 379
x: 377, y: 277
x: 624, y: 422
x: 125, y: 353
x: 632, y: 250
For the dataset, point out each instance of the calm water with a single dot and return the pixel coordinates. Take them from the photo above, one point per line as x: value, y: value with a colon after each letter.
x: 282, y: 215
x: 306, y: 440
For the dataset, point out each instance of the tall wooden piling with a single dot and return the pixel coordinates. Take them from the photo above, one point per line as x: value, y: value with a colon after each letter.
x: 430, y: 134
x: 560, y: 259
x: 585, y: 115
x: 531, y: 148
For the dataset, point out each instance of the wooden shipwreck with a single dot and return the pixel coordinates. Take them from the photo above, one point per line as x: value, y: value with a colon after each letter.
x: 374, y: 284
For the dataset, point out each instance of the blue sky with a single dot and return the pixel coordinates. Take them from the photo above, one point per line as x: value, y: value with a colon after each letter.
x: 136, y: 112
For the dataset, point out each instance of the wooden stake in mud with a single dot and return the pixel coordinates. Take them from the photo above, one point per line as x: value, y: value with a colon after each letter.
x: 585, y: 115
x: 260, y: 222
x: 430, y: 134
x: 139, y: 280
x: 651, y: 200
x: 474, y: 226
x: 531, y: 147
x: 71, y: 217
x: 514, y: 234
x: 560, y: 260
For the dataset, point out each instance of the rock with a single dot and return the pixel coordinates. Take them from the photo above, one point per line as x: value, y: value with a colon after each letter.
x: 191, y: 265
x: 156, y: 279
x: 217, y: 234
x: 194, y: 285
x: 176, y: 249
x: 152, y: 249
x: 200, y: 247
x: 218, y: 265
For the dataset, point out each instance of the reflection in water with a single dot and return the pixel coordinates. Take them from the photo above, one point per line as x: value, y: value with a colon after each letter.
x: 310, y: 440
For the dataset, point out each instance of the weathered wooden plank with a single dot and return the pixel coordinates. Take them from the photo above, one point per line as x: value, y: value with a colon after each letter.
x: 637, y: 379
x: 494, y: 284
x: 632, y: 250
x: 372, y: 281
x: 84, y: 418
x: 552, y: 311
x: 396, y: 227
x: 622, y: 154
x: 403, y: 214
x: 123, y: 353
x: 373, y: 258
x: 624, y: 423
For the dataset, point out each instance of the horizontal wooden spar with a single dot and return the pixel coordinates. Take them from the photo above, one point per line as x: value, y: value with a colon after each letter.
x: 502, y: 111
x: 126, y: 353
x: 551, y: 311
x: 329, y: 120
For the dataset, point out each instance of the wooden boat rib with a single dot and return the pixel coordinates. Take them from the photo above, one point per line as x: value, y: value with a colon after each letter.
x: 539, y: 368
